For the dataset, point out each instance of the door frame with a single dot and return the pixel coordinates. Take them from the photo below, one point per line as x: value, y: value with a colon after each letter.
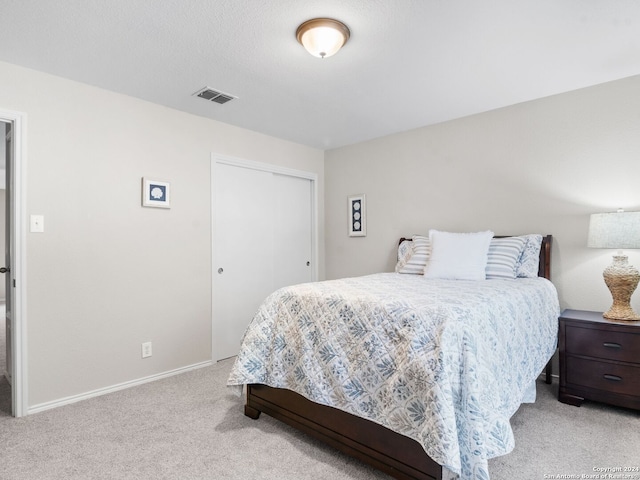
x: 218, y: 159
x: 19, y: 400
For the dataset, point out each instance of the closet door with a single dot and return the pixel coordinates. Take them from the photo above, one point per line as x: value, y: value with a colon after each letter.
x: 243, y: 251
x: 262, y: 241
x: 292, y: 231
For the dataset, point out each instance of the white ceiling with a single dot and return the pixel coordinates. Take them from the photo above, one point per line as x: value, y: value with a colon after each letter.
x: 409, y: 63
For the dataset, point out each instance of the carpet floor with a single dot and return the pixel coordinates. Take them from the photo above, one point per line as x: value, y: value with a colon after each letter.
x: 192, y: 427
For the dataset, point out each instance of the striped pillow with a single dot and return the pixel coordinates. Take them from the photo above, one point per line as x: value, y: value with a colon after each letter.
x: 503, y: 256
x: 413, y: 255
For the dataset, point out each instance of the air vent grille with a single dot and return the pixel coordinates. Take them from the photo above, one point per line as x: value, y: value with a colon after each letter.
x: 214, y: 95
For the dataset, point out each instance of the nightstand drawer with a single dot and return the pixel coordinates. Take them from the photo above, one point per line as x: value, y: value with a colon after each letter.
x: 594, y: 342
x: 611, y: 377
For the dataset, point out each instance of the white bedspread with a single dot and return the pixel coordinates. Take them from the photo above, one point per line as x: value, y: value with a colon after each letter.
x: 445, y: 362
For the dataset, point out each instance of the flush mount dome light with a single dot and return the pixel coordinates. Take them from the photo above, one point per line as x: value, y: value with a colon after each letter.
x: 323, y: 37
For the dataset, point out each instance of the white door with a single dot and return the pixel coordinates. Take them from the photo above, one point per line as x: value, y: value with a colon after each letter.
x: 292, y: 231
x: 14, y: 258
x: 4, y: 270
x: 242, y: 246
x: 262, y: 241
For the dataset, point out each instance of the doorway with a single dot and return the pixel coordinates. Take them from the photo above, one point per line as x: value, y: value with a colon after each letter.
x: 5, y: 332
x: 264, y: 238
x: 12, y: 129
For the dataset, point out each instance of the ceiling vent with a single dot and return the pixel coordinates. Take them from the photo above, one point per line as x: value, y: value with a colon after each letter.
x: 214, y: 95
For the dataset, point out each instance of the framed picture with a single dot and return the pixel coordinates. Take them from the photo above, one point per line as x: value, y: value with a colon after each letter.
x: 357, y: 216
x: 156, y: 193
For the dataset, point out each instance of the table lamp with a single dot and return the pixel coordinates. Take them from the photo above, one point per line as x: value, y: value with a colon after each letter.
x: 618, y: 230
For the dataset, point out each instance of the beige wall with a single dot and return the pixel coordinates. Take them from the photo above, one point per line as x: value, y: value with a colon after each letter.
x: 541, y: 166
x: 108, y: 274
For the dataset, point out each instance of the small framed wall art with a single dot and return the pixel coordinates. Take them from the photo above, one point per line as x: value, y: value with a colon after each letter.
x: 156, y: 193
x: 357, y: 216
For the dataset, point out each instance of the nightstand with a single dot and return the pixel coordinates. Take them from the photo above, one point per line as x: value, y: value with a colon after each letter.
x: 599, y: 359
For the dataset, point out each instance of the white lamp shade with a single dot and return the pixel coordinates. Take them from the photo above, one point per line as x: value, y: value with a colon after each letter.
x: 619, y: 230
x: 322, y: 37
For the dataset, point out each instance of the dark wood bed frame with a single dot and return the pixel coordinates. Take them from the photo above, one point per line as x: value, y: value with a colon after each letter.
x: 399, y: 456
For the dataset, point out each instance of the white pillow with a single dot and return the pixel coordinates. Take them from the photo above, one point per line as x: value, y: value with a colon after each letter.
x: 458, y: 256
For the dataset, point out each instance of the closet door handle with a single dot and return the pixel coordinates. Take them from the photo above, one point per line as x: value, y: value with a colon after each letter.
x: 5, y: 269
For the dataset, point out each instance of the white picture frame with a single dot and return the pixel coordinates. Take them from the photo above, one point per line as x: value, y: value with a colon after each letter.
x: 156, y: 193
x: 357, y: 215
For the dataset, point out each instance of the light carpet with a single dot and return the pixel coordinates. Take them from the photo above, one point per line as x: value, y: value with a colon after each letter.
x: 192, y: 427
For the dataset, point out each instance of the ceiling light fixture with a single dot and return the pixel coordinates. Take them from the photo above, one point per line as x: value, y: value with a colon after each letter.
x: 323, y: 37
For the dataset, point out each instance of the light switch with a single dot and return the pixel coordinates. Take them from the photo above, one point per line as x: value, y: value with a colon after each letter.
x: 37, y: 223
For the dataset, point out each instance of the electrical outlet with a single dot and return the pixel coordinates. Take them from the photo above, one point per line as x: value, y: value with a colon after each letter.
x: 146, y: 350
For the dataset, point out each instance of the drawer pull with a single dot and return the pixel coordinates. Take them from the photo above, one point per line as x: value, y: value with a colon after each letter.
x: 613, y: 378
x: 617, y: 346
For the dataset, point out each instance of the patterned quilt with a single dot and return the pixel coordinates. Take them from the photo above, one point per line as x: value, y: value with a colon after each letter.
x: 444, y: 362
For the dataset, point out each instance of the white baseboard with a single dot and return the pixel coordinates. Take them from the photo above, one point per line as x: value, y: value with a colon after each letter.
x: 114, y: 388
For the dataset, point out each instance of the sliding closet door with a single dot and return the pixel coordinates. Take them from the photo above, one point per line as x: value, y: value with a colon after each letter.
x: 243, y: 248
x: 292, y: 231
x: 262, y: 241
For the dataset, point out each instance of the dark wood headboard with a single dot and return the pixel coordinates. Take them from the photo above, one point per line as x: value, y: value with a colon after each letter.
x: 544, y: 268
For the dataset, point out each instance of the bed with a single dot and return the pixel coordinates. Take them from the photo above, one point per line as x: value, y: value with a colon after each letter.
x: 448, y: 412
